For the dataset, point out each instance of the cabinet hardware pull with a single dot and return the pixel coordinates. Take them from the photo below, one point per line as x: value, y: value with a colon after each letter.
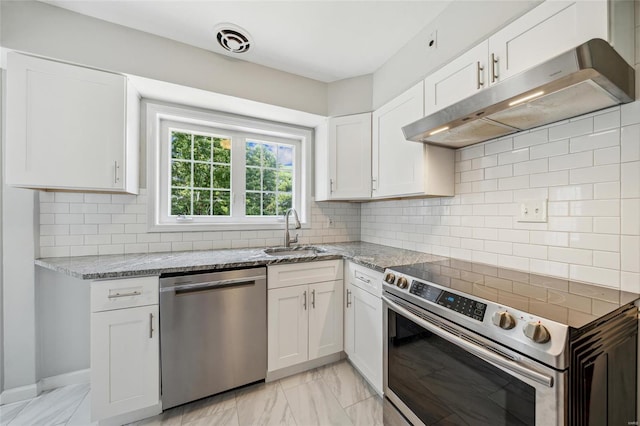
x: 313, y: 299
x: 348, y: 298
x: 115, y: 172
x: 150, y: 326
x: 305, y: 300
x: 374, y: 187
x: 494, y: 62
x: 480, y: 69
x: 364, y: 280
x: 331, y: 186
x: 115, y: 296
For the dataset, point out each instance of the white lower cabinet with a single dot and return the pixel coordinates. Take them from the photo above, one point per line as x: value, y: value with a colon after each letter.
x: 305, y: 320
x: 125, y: 352
x: 363, y: 322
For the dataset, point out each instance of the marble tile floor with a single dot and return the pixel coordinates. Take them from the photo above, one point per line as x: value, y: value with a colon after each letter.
x: 334, y: 394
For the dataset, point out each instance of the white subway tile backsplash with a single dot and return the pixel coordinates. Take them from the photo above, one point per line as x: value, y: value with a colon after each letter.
x: 630, y: 143
x: 68, y: 197
x: 606, y: 156
x: 606, y: 277
x: 68, y: 219
x: 534, y: 137
x: 595, y: 174
x: 47, y: 219
x: 630, y: 281
x: 517, y: 182
x: 109, y: 228
x: 54, y: 207
x: 595, y: 141
x: 471, y: 152
x: 97, y: 198
x: 110, y: 208
x: 606, y: 190
x: 571, y: 161
x: 571, y: 129
x: 83, y: 208
x: 569, y: 255
x: 530, y: 250
x: 97, y: 218
x: 111, y: 249
x: 630, y: 216
x: 498, y: 172
x: 497, y: 197
x: 595, y: 208
x: 532, y: 166
x: 472, y: 175
x: 558, y: 178
x: 606, y: 259
x: 549, y: 238
x: 515, y: 156
x: 574, y: 224
x: 100, y: 239
x: 630, y: 180
x: 84, y: 250
x: 608, y: 120
x: 606, y: 225
x: 630, y: 253
x: 550, y: 149
x: 547, y: 267
x: 591, y: 241
x: 484, y: 162
x: 630, y: 113
x: 54, y: 229
x: 498, y: 146
x: 572, y: 192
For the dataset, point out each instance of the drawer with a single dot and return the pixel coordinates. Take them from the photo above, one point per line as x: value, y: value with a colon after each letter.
x: 365, y: 278
x: 303, y: 273
x: 107, y: 295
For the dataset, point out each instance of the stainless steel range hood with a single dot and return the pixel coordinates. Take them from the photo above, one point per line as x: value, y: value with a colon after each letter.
x: 585, y: 79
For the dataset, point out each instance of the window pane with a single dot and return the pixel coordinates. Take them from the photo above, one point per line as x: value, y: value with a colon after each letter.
x: 222, y: 150
x: 201, y: 203
x: 202, y: 175
x: 268, y: 204
x: 222, y: 177
x: 269, y: 155
x: 201, y: 148
x: 284, y: 202
x: 181, y: 173
x: 285, y: 156
x: 180, y: 202
x: 285, y: 181
x: 268, y: 180
x: 252, y: 206
x: 181, y: 145
x: 253, y: 179
x: 221, y: 203
x: 254, y: 156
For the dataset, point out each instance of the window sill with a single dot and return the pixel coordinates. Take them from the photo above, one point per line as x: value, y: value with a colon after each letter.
x: 211, y: 227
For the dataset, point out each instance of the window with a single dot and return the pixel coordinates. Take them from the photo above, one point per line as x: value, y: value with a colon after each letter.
x: 216, y: 171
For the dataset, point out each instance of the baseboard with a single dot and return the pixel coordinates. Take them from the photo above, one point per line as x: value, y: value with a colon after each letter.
x: 73, y: 378
x: 299, y: 368
x: 21, y: 393
x: 133, y: 416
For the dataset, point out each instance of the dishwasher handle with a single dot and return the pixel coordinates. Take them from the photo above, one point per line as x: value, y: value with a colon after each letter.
x: 212, y: 285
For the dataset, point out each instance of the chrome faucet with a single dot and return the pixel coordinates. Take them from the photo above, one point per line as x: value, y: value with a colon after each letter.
x: 287, y: 240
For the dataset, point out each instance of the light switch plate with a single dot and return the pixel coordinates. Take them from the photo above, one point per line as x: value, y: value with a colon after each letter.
x: 533, y: 211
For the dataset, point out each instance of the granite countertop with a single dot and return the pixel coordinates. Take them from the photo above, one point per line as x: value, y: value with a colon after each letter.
x: 374, y: 256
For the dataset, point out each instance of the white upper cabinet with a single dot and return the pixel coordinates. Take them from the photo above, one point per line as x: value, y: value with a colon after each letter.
x: 343, y: 165
x: 460, y: 78
x: 548, y: 30
x: 70, y: 127
x: 405, y: 168
x: 555, y: 27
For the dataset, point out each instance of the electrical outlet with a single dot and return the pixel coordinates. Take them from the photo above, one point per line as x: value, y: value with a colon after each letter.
x: 533, y: 211
x: 432, y: 42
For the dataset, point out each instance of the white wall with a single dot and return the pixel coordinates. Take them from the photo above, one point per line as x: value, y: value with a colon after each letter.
x: 588, y: 168
x: 350, y: 96
x: 46, y: 30
x: 460, y: 26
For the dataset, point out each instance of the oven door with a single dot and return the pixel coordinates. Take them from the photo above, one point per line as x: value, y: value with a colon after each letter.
x: 437, y: 373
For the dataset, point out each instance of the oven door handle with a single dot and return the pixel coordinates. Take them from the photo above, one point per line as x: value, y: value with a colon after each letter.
x: 478, y: 351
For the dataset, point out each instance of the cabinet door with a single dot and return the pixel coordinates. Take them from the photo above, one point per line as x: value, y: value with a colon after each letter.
x: 457, y: 80
x: 350, y: 157
x: 398, y: 164
x: 288, y: 322
x: 548, y: 30
x: 325, y: 319
x: 125, y: 371
x: 65, y: 126
x: 365, y: 313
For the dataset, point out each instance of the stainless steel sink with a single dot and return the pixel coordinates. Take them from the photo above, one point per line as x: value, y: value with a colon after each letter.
x: 293, y: 251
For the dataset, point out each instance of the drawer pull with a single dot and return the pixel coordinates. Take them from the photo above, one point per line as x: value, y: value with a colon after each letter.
x: 116, y: 295
x: 313, y: 299
x: 305, y: 300
x: 150, y: 326
x: 363, y: 279
x: 348, y: 298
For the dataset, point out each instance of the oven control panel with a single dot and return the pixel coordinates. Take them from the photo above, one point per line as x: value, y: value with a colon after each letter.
x: 455, y: 302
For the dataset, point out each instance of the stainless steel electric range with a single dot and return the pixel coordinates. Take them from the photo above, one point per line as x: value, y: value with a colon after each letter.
x: 471, y: 344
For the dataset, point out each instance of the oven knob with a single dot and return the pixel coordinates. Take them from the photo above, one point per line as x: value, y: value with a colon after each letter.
x: 402, y: 282
x: 504, y: 320
x: 390, y: 278
x: 536, y: 332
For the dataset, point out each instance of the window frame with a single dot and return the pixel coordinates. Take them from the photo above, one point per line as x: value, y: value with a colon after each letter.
x: 160, y: 117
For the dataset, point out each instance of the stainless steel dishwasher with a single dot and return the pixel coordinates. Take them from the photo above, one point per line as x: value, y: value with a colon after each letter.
x: 213, y: 333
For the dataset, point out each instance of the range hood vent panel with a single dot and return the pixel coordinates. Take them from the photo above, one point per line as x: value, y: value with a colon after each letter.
x: 585, y: 79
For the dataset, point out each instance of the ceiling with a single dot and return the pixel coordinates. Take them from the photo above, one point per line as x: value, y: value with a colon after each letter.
x: 323, y: 40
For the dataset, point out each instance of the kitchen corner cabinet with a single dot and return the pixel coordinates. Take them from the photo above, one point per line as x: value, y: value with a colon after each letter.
x: 343, y: 159
x: 363, y: 322
x: 125, y: 352
x: 70, y: 127
x: 304, y: 312
x: 403, y: 168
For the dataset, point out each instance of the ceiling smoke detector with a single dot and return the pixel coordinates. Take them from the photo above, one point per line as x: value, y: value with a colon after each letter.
x: 232, y: 38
